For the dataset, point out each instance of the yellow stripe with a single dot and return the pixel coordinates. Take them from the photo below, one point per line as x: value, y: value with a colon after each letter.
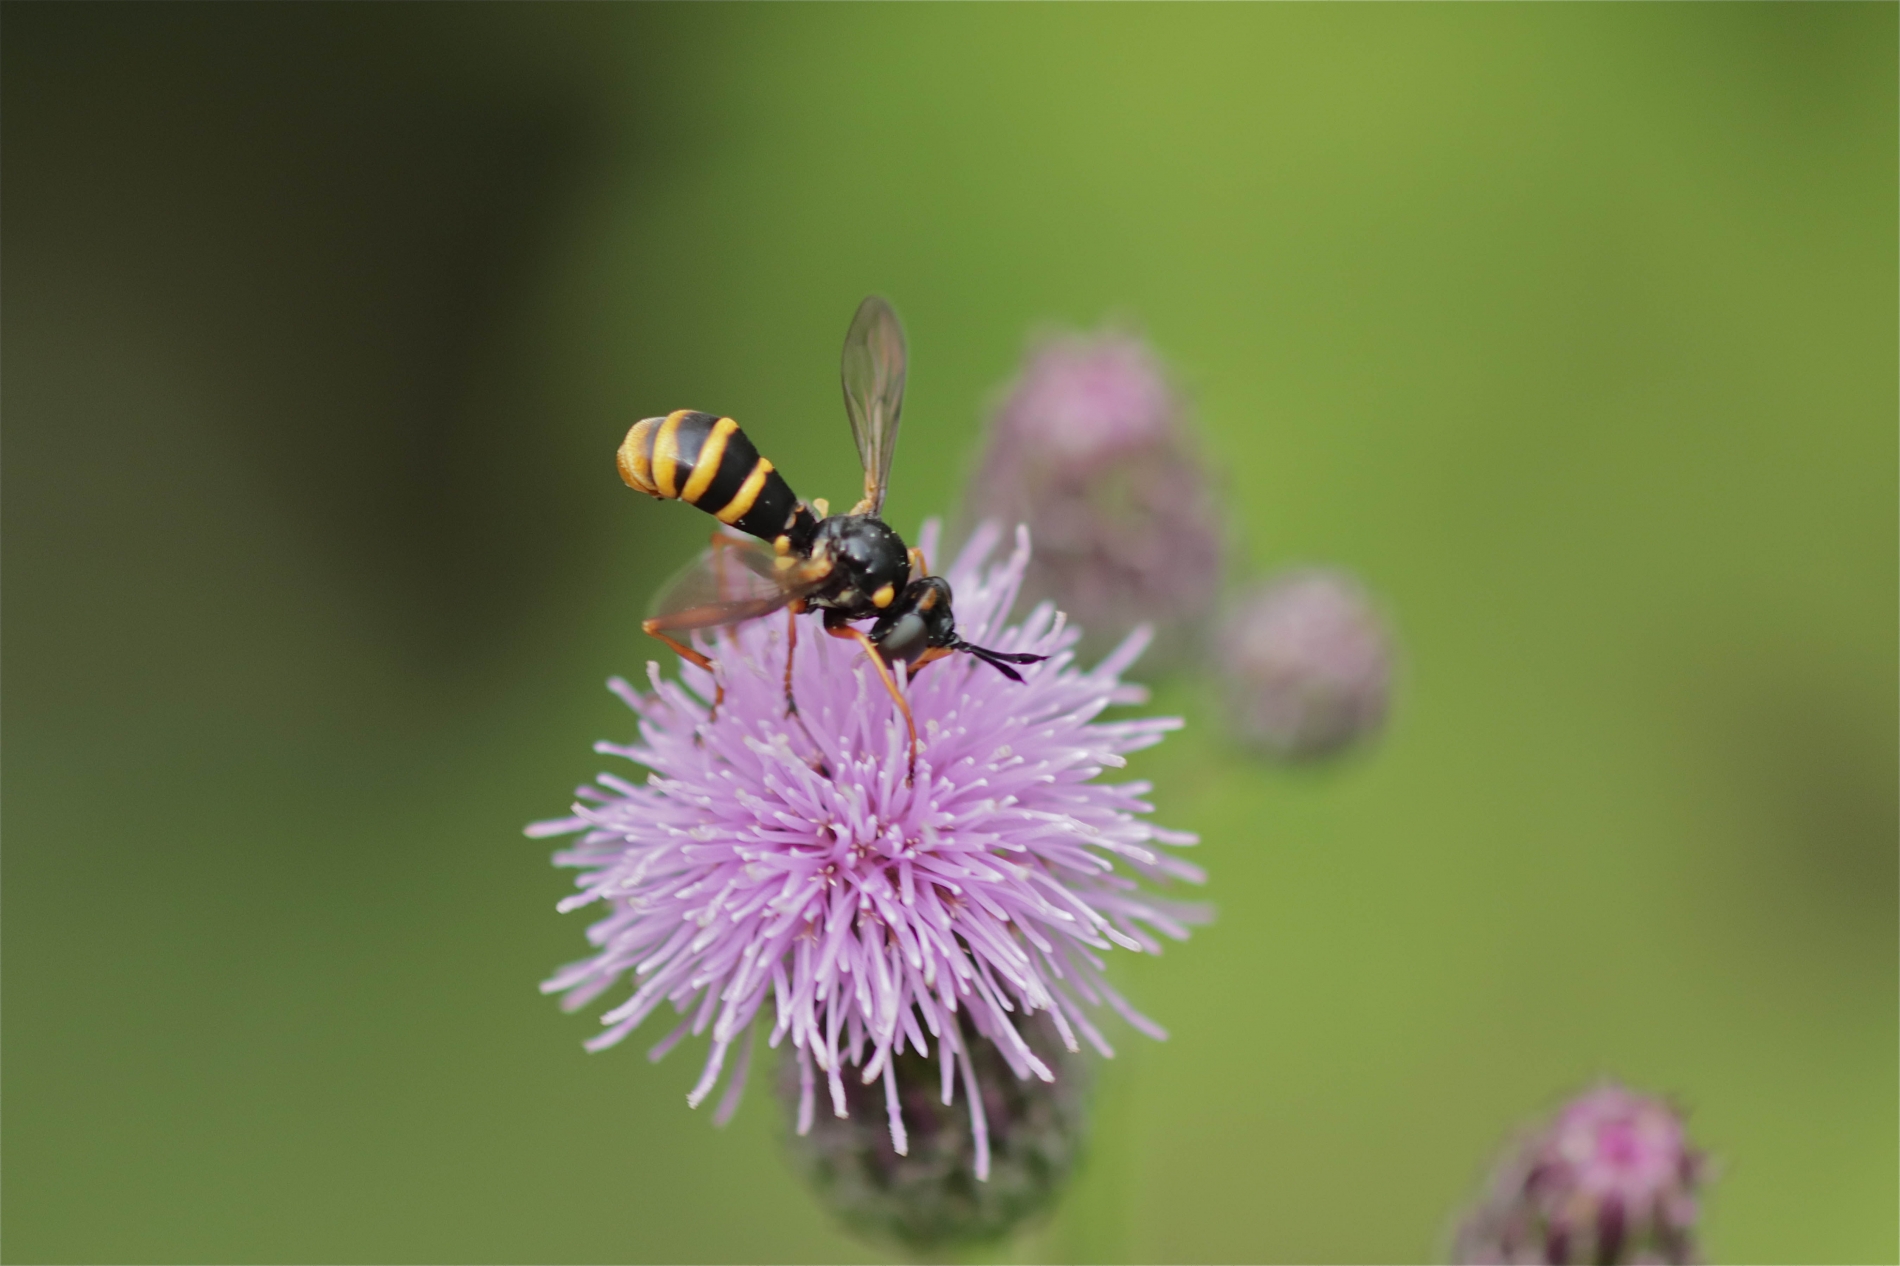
x: 742, y: 500
x: 632, y: 458
x: 706, y: 465
x: 666, y: 454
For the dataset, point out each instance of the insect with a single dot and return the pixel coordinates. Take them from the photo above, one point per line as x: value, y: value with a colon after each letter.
x: 853, y: 567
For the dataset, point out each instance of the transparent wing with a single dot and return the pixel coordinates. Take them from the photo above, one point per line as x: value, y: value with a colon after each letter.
x: 735, y: 579
x: 873, y: 374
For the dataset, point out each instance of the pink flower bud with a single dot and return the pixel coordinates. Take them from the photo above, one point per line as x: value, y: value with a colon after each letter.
x: 1611, y: 1178
x: 1307, y: 664
x: 1091, y: 450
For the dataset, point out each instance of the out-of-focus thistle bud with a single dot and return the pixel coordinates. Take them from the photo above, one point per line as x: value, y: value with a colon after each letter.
x: 1610, y: 1179
x: 930, y: 1199
x: 1091, y: 450
x: 1308, y: 664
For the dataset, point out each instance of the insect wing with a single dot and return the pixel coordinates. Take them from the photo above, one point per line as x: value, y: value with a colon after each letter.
x: 735, y: 579
x: 873, y: 373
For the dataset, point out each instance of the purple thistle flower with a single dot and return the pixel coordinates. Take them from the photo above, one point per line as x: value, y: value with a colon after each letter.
x: 1307, y: 664
x: 788, y: 862
x: 1610, y: 1178
x: 1091, y: 450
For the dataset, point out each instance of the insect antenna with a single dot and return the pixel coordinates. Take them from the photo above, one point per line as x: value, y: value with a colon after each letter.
x: 1001, y: 660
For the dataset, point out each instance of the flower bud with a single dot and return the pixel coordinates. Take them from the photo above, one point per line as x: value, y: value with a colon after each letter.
x: 1091, y: 450
x: 1307, y: 664
x: 931, y: 1198
x: 1611, y: 1178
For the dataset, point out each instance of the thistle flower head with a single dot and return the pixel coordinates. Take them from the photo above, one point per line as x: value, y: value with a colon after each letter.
x: 1610, y: 1178
x: 1307, y: 664
x: 1091, y: 450
x: 786, y: 866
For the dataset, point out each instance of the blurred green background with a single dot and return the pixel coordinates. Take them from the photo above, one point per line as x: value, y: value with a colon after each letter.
x: 1570, y: 328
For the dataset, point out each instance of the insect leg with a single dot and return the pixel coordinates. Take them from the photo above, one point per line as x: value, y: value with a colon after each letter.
x: 652, y: 629
x: 792, y: 612
x: 709, y: 616
x: 919, y: 565
x: 817, y: 760
x: 884, y: 673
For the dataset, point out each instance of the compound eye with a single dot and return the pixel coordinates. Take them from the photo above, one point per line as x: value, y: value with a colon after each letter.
x: 908, y: 638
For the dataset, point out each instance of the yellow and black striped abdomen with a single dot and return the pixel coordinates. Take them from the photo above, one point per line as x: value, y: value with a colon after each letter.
x: 708, y: 462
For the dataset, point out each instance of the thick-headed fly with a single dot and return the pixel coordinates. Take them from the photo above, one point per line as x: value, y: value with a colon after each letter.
x: 795, y: 557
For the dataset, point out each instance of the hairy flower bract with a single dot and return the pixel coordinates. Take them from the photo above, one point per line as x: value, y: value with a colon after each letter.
x: 783, y: 869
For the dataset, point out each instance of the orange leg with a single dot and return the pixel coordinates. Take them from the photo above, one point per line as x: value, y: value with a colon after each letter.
x: 791, y: 645
x: 919, y: 565
x: 655, y: 628
x: 890, y: 684
x: 791, y: 704
x: 652, y: 629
